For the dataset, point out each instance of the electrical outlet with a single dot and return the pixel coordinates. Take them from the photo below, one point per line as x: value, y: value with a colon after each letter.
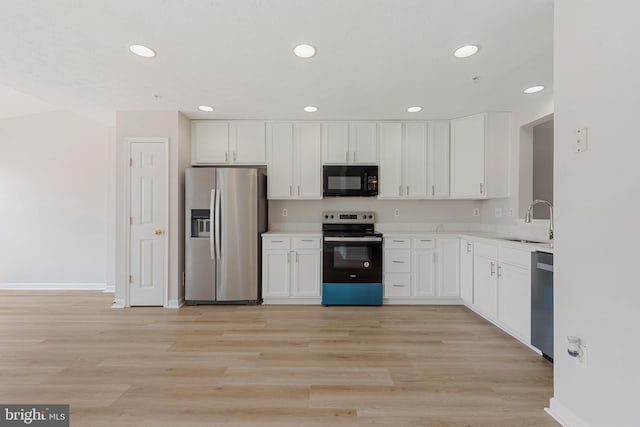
x: 284, y: 212
x: 511, y: 212
x: 476, y: 211
x: 396, y: 212
x: 497, y: 212
x: 582, y: 360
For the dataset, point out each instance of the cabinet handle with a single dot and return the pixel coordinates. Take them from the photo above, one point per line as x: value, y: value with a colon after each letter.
x: 291, y: 190
x: 481, y: 188
x: 398, y: 286
x: 499, y: 271
x: 468, y: 247
x: 346, y: 157
x: 226, y: 156
x: 296, y: 257
x: 298, y: 190
x: 276, y: 241
x: 407, y: 190
x: 426, y: 240
x: 493, y: 268
x: 307, y: 240
x: 288, y: 257
x: 398, y: 241
x: 398, y: 262
x: 234, y: 156
x: 354, y: 157
x: 433, y: 190
x: 400, y: 190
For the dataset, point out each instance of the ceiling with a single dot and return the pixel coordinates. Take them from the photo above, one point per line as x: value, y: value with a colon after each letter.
x: 374, y: 58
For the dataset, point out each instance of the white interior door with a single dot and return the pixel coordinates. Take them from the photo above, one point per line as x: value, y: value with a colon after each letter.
x: 148, y: 210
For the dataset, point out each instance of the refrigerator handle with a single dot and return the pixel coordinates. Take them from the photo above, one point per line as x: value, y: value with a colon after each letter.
x: 216, y: 226
x: 212, y: 234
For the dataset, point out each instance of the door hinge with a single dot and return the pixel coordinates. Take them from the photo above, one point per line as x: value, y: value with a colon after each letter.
x: 130, y: 279
x: 130, y: 220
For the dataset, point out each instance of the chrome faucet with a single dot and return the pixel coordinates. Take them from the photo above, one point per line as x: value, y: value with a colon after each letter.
x: 527, y: 218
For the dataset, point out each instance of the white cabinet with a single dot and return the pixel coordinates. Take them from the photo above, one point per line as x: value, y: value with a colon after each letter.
x: 291, y: 269
x: 502, y: 287
x: 438, y: 159
x: 480, y: 156
x: 216, y: 142
x: 346, y: 143
x: 514, y: 292
x: 293, y: 161
x: 390, y: 170
x: 420, y: 269
x: 466, y: 271
x: 403, y: 160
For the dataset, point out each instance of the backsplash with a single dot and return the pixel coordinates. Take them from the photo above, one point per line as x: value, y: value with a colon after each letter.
x: 306, y: 214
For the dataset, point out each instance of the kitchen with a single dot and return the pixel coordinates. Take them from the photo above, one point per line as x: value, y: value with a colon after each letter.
x: 575, y: 210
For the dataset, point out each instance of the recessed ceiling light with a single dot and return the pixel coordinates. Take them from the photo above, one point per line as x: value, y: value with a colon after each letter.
x: 466, y: 51
x: 533, y: 89
x: 141, y: 50
x: 414, y: 109
x: 304, y: 51
x: 206, y: 108
x: 310, y: 109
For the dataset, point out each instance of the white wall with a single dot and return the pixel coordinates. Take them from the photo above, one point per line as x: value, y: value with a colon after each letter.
x: 169, y: 124
x: 597, y: 195
x: 54, y: 184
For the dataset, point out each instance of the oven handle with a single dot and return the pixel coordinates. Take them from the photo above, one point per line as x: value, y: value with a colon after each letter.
x: 353, y: 239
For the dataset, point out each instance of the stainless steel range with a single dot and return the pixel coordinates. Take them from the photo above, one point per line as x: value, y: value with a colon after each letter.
x: 352, y: 259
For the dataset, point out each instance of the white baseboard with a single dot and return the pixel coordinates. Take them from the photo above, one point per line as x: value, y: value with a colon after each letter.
x: 54, y: 286
x: 175, y: 303
x: 118, y: 303
x: 110, y: 288
x: 563, y: 415
x: 422, y: 301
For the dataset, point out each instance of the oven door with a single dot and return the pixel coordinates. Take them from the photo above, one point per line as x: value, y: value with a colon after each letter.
x: 350, y: 181
x: 352, y: 259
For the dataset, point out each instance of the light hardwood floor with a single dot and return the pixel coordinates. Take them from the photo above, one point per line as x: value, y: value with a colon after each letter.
x: 266, y: 365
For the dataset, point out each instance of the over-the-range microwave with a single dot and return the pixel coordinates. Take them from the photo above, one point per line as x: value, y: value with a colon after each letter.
x: 350, y: 181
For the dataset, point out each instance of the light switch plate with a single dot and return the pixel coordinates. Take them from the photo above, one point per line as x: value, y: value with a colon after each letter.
x: 476, y: 211
x: 284, y: 212
x: 581, y: 140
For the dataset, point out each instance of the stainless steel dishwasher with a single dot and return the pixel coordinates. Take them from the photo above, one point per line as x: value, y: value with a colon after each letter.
x: 542, y: 303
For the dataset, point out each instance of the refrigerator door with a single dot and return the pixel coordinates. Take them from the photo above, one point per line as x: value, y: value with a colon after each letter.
x: 237, y: 234
x: 200, y: 267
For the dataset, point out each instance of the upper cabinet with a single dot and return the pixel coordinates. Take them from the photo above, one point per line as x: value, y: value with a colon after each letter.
x: 346, y: 143
x: 414, y: 160
x: 216, y: 142
x: 479, y: 156
x: 294, y: 167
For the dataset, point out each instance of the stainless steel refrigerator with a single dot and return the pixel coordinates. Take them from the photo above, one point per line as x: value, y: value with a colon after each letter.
x: 225, y: 212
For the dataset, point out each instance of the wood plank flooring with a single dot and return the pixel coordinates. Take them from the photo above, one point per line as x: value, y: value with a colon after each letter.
x: 266, y: 365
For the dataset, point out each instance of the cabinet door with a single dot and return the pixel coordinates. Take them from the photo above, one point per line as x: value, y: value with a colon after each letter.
x: 397, y: 285
x: 468, y: 157
x: 308, y: 184
x: 335, y: 143
x: 364, y: 143
x: 248, y: 143
x: 209, y: 142
x: 515, y: 300
x: 280, y: 161
x: 275, y: 273
x: 424, y: 273
x: 448, y: 261
x: 485, y: 286
x: 438, y: 159
x: 466, y: 271
x: 390, y: 170
x: 307, y: 274
x: 415, y: 160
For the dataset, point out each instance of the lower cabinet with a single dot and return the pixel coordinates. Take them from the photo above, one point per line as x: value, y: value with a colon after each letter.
x: 466, y: 271
x: 502, y: 287
x: 291, y: 269
x: 420, y: 269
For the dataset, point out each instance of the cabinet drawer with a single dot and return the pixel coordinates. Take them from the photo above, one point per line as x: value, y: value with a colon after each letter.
x: 306, y: 243
x: 424, y: 243
x: 517, y: 257
x: 397, y: 243
x: 397, y: 285
x: 276, y: 243
x: 485, y: 250
x: 397, y: 261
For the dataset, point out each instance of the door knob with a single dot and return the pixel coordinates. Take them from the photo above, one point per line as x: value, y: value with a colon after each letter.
x: 157, y: 232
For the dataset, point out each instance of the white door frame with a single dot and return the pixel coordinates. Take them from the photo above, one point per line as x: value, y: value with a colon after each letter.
x: 165, y: 284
